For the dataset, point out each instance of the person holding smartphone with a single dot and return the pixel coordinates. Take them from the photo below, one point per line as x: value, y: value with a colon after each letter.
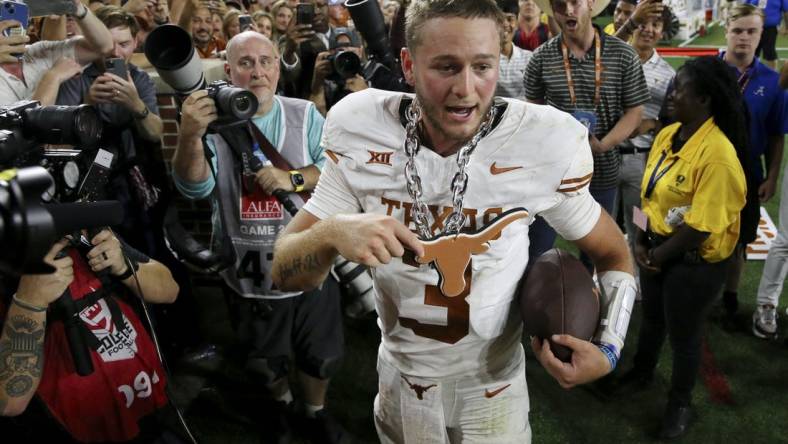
x: 43, y: 66
x: 125, y: 97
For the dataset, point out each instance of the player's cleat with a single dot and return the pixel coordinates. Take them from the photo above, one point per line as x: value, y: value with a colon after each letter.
x: 764, y: 322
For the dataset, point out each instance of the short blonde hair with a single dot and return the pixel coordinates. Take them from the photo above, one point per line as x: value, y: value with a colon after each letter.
x: 420, y: 12
x: 741, y: 10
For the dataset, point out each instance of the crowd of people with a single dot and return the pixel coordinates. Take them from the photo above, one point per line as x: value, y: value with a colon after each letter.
x: 507, y: 121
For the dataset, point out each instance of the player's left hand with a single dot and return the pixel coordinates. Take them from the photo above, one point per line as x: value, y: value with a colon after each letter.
x: 271, y: 178
x: 588, y: 362
x: 767, y: 189
x: 107, y: 253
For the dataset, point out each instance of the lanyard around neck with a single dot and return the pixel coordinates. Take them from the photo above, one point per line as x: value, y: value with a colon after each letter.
x: 656, y: 175
x: 597, y: 70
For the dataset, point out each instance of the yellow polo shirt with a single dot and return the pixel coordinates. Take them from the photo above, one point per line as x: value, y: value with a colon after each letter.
x: 610, y: 29
x: 706, y: 176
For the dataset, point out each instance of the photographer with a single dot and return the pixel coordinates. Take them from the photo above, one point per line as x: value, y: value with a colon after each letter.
x: 328, y: 85
x: 126, y: 100
x: 127, y: 382
x: 43, y: 66
x: 271, y: 324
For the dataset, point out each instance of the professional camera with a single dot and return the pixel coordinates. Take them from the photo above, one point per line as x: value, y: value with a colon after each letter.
x: 345, y: 64
x: 25, y: 125
x: 232, y: 104
x: 28, y: 228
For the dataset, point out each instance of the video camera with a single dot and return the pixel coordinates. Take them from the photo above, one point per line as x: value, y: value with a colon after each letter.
x: 40, y: 173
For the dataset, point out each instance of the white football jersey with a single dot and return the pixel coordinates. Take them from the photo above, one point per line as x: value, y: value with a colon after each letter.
x: 535, y: 157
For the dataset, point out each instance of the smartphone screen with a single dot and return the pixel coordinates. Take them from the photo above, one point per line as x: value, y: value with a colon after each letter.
x: 305, y: 12
x: 245, y: 22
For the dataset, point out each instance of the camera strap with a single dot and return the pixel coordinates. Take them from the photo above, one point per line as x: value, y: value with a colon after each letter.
x: 270, y: 153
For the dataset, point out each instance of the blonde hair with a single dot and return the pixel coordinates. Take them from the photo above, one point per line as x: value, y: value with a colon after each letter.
x: 420, y: 12
x: 741, y: 10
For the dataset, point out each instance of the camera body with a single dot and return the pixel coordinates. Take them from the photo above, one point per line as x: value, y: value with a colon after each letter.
x: 60, y: 139
x: 232, y: 104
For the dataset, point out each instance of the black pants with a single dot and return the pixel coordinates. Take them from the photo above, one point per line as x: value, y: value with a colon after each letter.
x: 676, y: 302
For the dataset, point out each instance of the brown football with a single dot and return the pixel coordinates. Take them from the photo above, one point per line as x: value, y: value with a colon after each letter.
x: 557, y: 297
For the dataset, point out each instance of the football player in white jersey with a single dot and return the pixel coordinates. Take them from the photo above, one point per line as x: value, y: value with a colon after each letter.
x: 436, y: 192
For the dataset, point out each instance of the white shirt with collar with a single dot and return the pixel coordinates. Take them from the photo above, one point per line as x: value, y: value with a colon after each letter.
x: 511, y: 79
x: 38, y: 58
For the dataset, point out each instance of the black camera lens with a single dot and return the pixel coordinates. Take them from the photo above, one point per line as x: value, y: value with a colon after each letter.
x: 347, y: 64
x: 236, y: 102
x: 242, y: 104
x: 64, y: 125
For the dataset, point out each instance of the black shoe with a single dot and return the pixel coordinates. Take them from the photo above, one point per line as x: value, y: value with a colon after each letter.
x: 676, y: 421
x: 635, y: 380
x: 324, y: 429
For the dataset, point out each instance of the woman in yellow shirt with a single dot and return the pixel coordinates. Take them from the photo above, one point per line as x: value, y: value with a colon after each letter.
x: 693, y: 190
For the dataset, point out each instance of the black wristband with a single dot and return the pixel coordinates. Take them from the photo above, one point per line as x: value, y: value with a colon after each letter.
x: 131, y: 267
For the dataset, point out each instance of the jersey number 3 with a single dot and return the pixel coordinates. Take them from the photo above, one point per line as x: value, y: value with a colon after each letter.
x: 457, y: 316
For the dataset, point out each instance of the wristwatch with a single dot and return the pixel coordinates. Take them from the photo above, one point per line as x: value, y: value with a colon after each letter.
x: 297, y: 179
x: 143, y: 114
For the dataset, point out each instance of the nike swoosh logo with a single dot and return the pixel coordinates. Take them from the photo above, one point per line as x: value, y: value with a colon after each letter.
x: 494, y: 170
x: 490, y: 394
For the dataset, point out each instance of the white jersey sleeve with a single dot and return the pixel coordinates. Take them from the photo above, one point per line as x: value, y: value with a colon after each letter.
x: 332, y: 194
x: 576, y: 212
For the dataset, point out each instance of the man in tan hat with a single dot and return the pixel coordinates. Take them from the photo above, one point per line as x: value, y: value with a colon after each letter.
x: 598, y: 79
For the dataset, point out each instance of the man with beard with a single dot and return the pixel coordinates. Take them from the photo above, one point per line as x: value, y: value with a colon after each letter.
x: 207, y: 45
x: 598, y: 79
x: 451, y: 362
x: 271, y: 324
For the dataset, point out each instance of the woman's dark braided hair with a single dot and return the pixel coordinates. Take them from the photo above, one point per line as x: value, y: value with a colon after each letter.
x: 710, y: 76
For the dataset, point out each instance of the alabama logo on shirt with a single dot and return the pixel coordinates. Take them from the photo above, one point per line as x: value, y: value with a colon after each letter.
x: 116, y: 345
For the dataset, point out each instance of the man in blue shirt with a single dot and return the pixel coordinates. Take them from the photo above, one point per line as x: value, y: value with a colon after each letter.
x: 271, y: 324
x: 774, y: 11
x: 766, y: 102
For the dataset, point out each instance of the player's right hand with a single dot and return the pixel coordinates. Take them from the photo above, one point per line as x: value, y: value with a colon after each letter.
x: 372, y: 239
x: 197, y: 113
x: 43, y: 289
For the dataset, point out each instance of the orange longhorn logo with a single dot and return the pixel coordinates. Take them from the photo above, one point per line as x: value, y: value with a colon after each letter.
x: 451, y: 253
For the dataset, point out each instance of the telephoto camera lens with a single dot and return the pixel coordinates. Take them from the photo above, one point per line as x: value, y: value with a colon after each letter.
x: 64, y: 125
